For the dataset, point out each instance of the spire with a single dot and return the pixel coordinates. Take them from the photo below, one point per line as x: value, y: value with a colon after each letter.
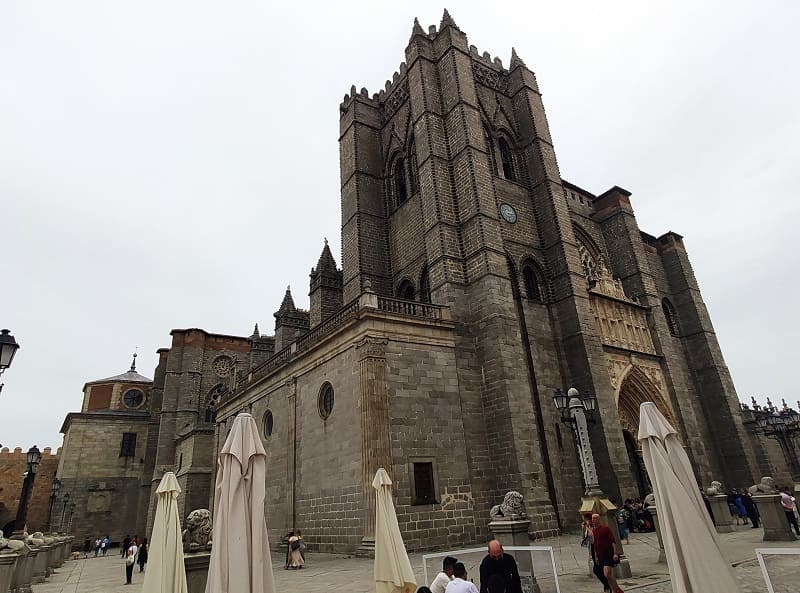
x: 447, y: 21
x: 288, y: 302
x: 256, y: 333
x: 133, y: 362
x: 515, y: 60
x: 326, y: 262
x: 417, y: 30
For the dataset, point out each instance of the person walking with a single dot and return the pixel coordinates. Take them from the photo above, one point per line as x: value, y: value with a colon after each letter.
x: 498, y: 562
x: 130, y: 560
x: 97, y: 543
x: 605, y: 551
x: 104, y: 545
x: 143, y: 550
x: 751, y: 508
x: 125, y: 543
x: 87, y: 547
x: 787, y: 502
x: 588, y: 541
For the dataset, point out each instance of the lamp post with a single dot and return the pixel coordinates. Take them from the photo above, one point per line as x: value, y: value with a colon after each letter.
x: 72, y: 506
x: 54, y: 488
x: 34, y: 457
x: 782, y: 425
x: 578, y: 412
x: 8, y: 348
x: 64, y: 513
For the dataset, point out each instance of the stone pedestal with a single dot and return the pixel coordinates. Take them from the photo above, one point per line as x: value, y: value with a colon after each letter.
x: 23, y: 572
x: 773, y: 519
x: 514, y: 532
x: 662, y: 556
x: 722, y: 514
x: 196, y: 571
x: 39, y: 565
x: 8, y: 561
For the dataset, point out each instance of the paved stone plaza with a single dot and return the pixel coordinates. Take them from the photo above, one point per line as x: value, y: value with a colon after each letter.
x: 332, y: 573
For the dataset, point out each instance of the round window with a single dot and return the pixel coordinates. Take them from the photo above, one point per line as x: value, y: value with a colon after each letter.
x: 268, y: 421
x: 223, y: 366
x: 133, y: 398
x: 325, y: 402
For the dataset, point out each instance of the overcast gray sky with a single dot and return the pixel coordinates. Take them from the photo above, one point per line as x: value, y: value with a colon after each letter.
x: 175, y: 164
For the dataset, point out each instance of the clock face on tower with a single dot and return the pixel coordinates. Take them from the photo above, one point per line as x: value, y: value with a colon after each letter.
x: 508, y: 213
x: 133, y: 398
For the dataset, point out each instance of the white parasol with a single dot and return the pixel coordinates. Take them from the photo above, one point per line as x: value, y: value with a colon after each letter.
x: 165, y: 570
x: 393, y: 572
x: 240, y: 559
x: 693, y: 555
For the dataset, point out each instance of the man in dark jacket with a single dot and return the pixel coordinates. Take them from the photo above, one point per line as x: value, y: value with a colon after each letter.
x: 500, y: 563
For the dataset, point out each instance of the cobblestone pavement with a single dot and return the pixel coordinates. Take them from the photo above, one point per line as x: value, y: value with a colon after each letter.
x: 331, y: 573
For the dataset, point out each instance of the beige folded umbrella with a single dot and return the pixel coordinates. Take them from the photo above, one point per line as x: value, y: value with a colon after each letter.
x: 695, y: 562
x: 165, y: 570
x: 393, y: 572
x: 240, y: 559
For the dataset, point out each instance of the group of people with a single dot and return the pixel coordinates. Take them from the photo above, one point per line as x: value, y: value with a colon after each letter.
x: 633, y: 516
x: 134, y: 552
x: 101, y: 545
x: 742, y: 507
x: 498, y: 574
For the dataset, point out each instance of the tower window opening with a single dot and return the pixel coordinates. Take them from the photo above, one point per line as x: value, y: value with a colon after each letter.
x: 413, y: 169
x: 671, y: 316
x: 532, y: 286
x: 400, y: 185
x: 507, y: 160
x: 406, y: 290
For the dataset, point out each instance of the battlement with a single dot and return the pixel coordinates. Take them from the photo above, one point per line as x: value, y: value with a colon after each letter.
x: 18, y: 453
x: 383, y: 96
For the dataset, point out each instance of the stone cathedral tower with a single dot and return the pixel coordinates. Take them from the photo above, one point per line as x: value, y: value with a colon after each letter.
x: 451, y: 192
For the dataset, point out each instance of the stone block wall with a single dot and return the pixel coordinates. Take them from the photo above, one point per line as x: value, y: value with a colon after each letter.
x: 13, y: 465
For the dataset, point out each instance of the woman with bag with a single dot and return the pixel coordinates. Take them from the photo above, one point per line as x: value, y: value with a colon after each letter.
x: 130, y: 560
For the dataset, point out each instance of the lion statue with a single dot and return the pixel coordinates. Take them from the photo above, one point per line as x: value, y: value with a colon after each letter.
x: 197, y: 535
x: 715, y: 489
x: 512, y: 507
x: 765, y: 486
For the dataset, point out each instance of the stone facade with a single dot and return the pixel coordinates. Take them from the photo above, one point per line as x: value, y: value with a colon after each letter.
x: 13, y: 465
x: 474, y: 282
x: 102, y: 461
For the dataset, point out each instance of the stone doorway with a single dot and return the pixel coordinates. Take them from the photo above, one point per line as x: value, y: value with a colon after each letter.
x: 638, y: 470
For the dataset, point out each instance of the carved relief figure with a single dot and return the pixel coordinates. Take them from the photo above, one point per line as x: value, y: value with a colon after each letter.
x: 197, y: 535
x: 512, y: 507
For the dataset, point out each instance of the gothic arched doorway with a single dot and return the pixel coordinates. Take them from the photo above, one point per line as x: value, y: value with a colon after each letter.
x: 638, y: 470
x: 635, y: 389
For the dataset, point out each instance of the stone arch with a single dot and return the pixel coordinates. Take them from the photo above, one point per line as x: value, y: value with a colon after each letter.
x: 635, y: 388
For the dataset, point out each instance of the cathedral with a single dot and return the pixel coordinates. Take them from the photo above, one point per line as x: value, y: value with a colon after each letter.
x: 474, y: 282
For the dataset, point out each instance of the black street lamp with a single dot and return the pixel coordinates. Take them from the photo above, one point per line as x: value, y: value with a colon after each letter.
x: 577, y: 411
x: 8, y: 348
x: 55, y: 486
x: 64, y: 513
x: 34, y: 457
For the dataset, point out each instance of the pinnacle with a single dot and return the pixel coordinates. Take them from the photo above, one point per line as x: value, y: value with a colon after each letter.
x: 515, y: 60
x: 326, y: 262
x: 417, y: 30
x: 256, y: 333
x: 447, y: 21
x: 288, y: 302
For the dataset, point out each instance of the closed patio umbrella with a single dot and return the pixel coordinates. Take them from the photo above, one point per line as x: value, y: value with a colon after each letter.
x: 393, y: 572
x: 165, y: 570
x: 240, y: 558
x: 695, y: 562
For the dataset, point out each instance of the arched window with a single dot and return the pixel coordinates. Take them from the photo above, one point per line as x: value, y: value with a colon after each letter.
x: 424, y: 286
x: 671, y: 316
x: 406, y: 290
x: 530, y: 276
x: 487, y: 138
x: 211, y: 414
x: 507, y: 159
x: 400, y: 188
x: 413, y: 168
